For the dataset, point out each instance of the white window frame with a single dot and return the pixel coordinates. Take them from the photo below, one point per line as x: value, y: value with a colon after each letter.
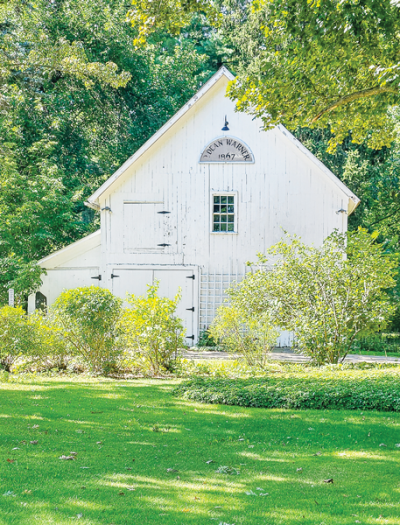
x: 233, y: 194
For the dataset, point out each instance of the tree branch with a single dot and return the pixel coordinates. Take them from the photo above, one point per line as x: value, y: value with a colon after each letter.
x: 370, y: 92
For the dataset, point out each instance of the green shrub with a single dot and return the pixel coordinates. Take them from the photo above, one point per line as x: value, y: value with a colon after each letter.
x: 152, y: 330
x: 387, y: 343
x: 15, y: 335
x: 327, y: 295
x: 206, y: 340
x: 250, y: 336
x: 376, y: 389
x: 88, y: 319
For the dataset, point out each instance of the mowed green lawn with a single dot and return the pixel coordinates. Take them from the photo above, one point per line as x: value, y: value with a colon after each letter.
x: 127, y: 435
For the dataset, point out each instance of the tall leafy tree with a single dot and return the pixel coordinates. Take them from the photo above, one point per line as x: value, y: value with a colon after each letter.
x: 320, y: 64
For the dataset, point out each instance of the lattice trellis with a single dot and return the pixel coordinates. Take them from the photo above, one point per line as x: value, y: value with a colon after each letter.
x: 212, y: 294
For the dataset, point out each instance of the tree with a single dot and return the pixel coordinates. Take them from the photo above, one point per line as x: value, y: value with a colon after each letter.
x: 169, y: 15
x: 332, y: 63
x: 327, y: 295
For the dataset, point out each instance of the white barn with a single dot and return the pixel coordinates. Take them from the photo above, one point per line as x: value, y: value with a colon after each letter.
x: 195, y: 203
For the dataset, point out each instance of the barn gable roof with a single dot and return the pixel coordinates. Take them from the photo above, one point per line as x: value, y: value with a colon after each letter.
x: 93, y: 200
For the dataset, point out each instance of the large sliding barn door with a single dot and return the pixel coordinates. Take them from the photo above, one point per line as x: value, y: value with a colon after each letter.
x: 135, y: 281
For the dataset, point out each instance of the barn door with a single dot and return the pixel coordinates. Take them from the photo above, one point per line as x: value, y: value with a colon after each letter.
x: 143, y: 227
x: 135, y: 281
x: 170, y: 281
x: 130, y: 281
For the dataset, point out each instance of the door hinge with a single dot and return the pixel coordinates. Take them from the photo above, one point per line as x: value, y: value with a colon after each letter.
x: 163, y: 212
x: 190, y: 337
x: 163, y: 245
x: 190, y: 309
x: 191, y: 277
x: 113, y: 276
x: 97, y: 277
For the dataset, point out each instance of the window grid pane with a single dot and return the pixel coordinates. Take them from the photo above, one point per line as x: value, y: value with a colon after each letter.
x: 223, y: 213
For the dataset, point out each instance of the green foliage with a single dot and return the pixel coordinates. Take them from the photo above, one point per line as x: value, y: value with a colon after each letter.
x: 321, y: 64
x: 250, y: 336
x: 384, y: 343
x: 151, y: 329
x: 14, y: 335
x: 206, y: 339
x: 89, y: 321
x: 336, y: 389
x: 170, y: 16
x: 325, y: 295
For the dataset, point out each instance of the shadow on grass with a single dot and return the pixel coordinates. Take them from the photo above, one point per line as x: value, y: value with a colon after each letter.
x: 143, y: 457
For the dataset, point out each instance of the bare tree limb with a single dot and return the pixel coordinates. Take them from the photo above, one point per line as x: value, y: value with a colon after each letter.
x: 370, y: 92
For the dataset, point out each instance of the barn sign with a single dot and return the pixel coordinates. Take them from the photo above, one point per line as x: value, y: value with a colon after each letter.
x: 227, y: 149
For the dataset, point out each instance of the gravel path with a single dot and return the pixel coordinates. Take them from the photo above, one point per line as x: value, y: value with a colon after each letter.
x: 285, y: 354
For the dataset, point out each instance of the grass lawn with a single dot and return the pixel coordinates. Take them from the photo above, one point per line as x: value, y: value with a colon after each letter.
x: 127, y: 435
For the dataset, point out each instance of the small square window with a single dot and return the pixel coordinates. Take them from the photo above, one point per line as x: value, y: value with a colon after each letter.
x: 224, y: 210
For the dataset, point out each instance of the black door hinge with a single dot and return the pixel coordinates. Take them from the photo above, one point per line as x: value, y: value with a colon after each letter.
x: 163, y: 212
x: 190, y: 337
x: 113, y: 276
x: 97, y: 277
x: 163, y: 245
x: 190, y: 309
x: 191, y: 277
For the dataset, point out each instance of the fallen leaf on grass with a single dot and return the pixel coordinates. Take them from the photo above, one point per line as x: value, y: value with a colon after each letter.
x: 330, y: 480
x: 10, y: 460
x: 26, y: 491
x: 121, y: 494
x: 67, y: 458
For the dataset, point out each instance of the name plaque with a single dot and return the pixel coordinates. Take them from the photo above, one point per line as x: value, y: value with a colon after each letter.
x: 227, y: 149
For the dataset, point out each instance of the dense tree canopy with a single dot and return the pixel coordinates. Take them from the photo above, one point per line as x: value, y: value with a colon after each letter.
x: 323, y: 64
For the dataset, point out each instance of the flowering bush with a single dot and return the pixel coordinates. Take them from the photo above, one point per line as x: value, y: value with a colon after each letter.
x: 151, y: 328
x: 89, y: 322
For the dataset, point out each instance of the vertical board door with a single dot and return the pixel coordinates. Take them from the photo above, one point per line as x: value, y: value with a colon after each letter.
x: 131, y: 281
x: 143, y: 227
x: 135, y: 281
x: 170, y: 282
